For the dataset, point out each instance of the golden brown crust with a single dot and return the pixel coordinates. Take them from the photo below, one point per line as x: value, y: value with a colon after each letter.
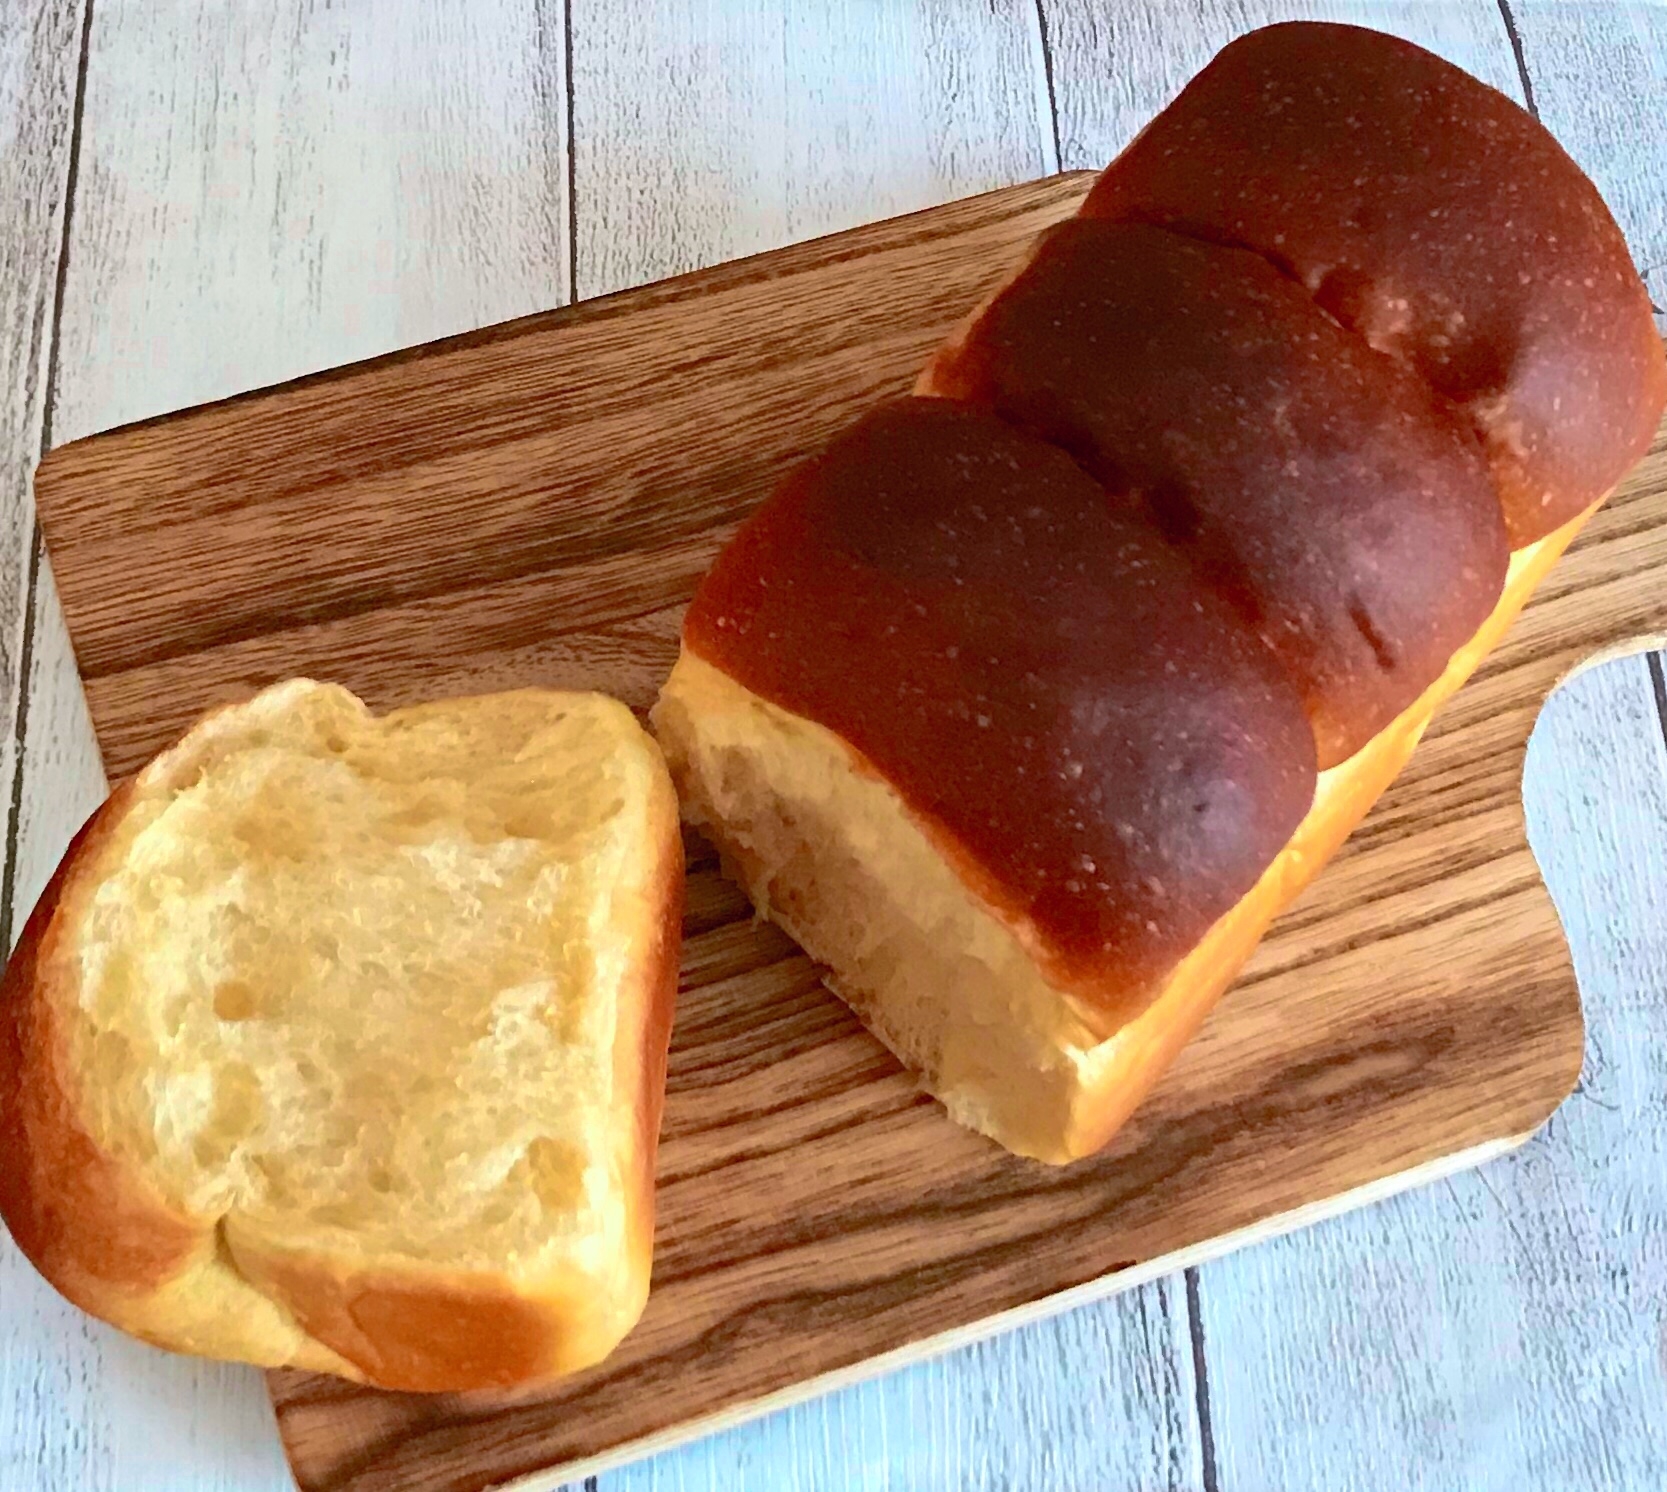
x: 659, y: 987
x: 1436, y: 218
x: 1038, y: 675
x: 1319, y: 486
x: 1060, y: 1086
x: 647, y: 1006
x: 418, y: 1330
x: 1149, y: 1043
x: 1435, y: 272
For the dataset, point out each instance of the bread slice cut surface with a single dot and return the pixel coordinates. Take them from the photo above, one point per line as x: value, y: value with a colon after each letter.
x: 367, y: 1015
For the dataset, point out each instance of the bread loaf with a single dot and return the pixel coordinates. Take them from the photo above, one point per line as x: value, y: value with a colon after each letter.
x: 937, y: 704
x: 338, y: 1042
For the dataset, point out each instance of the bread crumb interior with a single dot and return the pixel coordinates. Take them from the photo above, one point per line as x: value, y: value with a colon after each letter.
x: 363, y: 972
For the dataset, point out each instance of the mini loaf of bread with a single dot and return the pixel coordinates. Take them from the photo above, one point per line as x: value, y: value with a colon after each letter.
x: 338, y: 1042
x: 940, y: 706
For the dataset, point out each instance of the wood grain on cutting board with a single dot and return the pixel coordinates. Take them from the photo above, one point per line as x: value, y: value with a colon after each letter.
x: 533, y: 503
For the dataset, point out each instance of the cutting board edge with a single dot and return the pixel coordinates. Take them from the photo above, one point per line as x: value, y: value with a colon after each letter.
x: 1091, y: 1292
x: 985, y: 1328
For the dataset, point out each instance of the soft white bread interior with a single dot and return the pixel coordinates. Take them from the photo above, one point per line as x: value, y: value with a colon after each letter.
x: 338, y: 1041
x: 828, y: 849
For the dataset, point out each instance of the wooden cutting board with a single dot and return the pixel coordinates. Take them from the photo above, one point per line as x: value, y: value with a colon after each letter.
x: 533, y: 504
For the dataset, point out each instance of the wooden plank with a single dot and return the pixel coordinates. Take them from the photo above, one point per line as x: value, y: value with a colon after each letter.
x: 62, y: 774
x: 39, y: 57
x: 270, y: 193
x: 1616, y: 128
x: 264, y: 190
x: 896, y: 1451
x: 52, y: 1433
x: 930, y: 1459
x: 495, y: 508
x: 707, y: 132
x: 1116, y: 62
x: 774, y: 1089
x: 1055, y: 1403
x: 704, y: 132
x: 214, y: 251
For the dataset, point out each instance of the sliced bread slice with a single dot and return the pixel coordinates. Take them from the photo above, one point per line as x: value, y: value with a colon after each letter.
x: 339, y: 1041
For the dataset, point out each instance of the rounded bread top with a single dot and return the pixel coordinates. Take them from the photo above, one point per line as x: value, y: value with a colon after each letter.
x: 1436, y: 218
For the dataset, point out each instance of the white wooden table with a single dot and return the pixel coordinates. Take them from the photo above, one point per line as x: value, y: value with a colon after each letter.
x: 202, y: 196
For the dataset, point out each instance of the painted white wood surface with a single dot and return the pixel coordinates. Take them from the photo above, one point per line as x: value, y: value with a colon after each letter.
x: 263, y: 190
x: 1501, y: 1330
x: 707, y: 131
x: 38, y: 63
x: 1116, y: 62
x: 54, y: 1424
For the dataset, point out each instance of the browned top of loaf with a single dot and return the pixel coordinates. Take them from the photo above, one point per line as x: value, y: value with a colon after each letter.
x: 1434, y: 216
x: 1319, y: 485
x: 1091, y: 736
